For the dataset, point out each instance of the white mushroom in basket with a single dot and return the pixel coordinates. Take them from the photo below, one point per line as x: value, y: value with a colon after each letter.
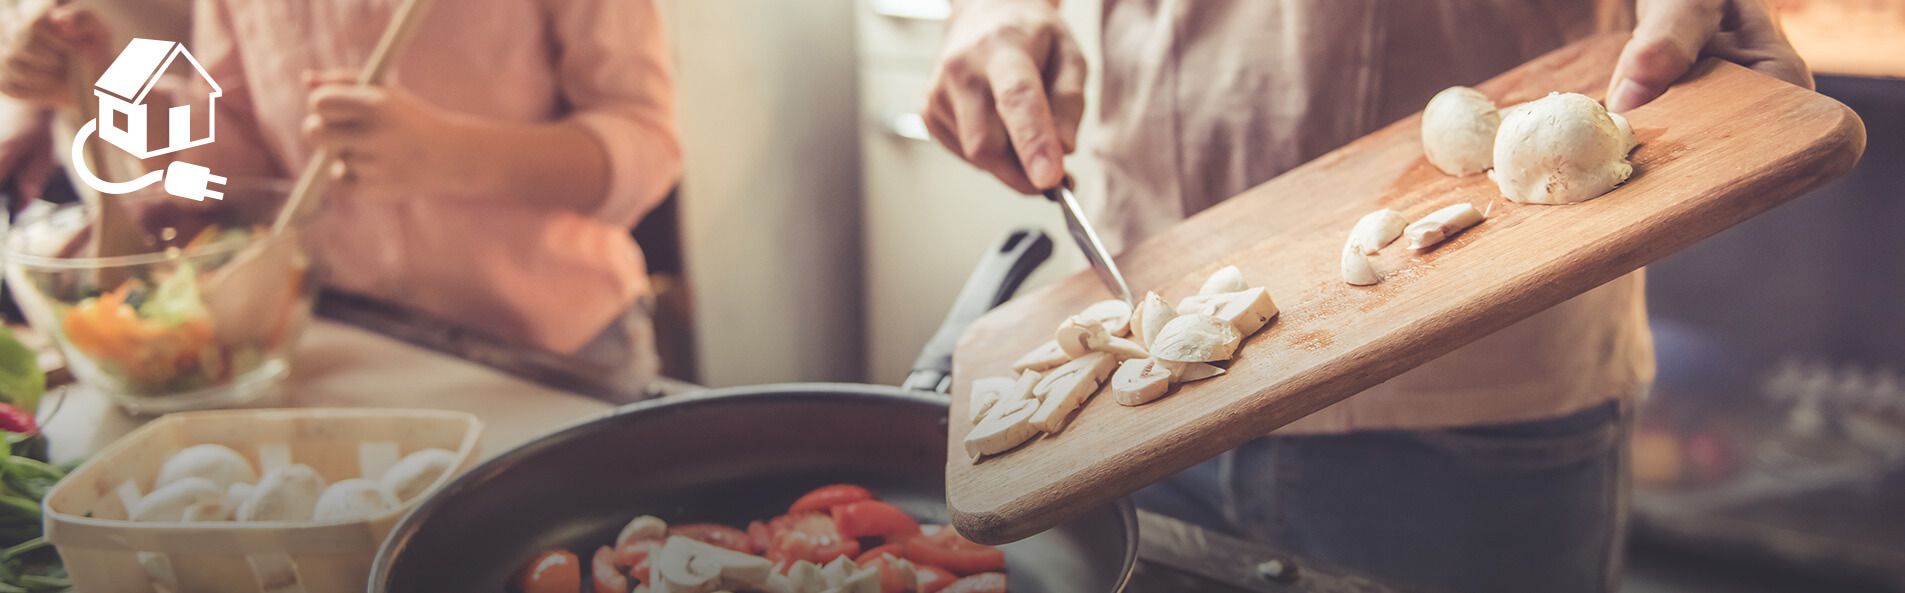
x: 289, y: 493
x: 351, y: 500
x: 416, y: 472
x: 217, y: 463
x: 1560, y: 149
x: 1439, y: 225
x: 185, y: 499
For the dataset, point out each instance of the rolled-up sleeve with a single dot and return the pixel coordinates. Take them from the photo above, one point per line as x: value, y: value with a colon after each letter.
x: 613, y: 68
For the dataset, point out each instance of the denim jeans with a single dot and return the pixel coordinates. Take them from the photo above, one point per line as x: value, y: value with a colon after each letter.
x: 1529, y: 506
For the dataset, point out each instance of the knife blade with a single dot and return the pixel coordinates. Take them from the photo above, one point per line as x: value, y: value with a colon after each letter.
x: 1087, y: 240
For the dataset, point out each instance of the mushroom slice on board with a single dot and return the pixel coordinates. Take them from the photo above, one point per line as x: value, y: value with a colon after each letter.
x: 1008, y: 425
x: 1439, y: 225
x: 1226, y: 279
x: 1150, y: 316
x: 1196, y: 338
x: 1375, y: 230
x: 1139, y: 381
x: 1188, y: 372
x: 1078, y: 336
x: 990, y: 392
x: 1114, y: 315
x: 1045, y: 356
x: 1067, y: 387
x: 986, y: 392
x: 1356, y: 268
x: 1123, y: 349
x: 1246, y: 310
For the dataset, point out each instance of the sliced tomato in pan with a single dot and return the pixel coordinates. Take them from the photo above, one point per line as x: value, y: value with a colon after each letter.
x: 720, y: 535
x: 827, y: 497
x: 944, y: 548
x: 607, y: 578
x: 872, y: 518
x: 989, y: 582
x: 808, y: 536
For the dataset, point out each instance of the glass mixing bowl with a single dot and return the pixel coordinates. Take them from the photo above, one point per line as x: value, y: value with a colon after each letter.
x: 205, y: 317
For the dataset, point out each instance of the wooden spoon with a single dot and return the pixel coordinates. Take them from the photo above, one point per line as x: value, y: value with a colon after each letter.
x: 249, y: 290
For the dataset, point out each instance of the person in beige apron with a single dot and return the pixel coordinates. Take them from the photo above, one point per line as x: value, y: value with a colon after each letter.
x: 1498, y: 467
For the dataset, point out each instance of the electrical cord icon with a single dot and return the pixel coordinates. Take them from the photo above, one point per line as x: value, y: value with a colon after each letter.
x: 182, y: 179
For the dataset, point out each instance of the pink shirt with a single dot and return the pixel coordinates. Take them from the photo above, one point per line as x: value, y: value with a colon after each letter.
x: 545, y: 276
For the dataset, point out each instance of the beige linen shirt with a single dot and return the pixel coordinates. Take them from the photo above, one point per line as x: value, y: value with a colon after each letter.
x: 1203, y: 99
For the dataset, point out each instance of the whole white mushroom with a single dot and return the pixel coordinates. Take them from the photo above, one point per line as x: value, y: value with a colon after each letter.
x: 185, y: 499
x: 416, y: 472
x: 353, y: 499
x: 218, y: 463
x: 289, y: 493
x: 1458, y: 131
x: 1560, y: 149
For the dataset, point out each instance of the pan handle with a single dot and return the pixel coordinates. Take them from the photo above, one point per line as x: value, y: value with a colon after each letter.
x: 998, y: 276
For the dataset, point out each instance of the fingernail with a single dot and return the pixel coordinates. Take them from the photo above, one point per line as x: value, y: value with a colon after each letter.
x: 1042, y: 172
x: 1628, y: 95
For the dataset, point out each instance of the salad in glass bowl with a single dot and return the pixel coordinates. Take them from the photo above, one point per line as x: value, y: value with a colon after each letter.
x: 205, y: 316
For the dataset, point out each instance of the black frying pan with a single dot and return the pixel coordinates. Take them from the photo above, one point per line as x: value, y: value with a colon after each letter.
x: 735, y: 455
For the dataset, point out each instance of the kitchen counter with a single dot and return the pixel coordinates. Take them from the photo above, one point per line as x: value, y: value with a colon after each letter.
x: 338, y: 365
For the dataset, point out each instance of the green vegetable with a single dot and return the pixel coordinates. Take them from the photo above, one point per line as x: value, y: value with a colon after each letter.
x: 21, y: 380
x: 176, y: 299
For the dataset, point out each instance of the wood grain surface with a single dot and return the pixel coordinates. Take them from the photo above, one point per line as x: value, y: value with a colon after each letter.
x: 1723, y: 145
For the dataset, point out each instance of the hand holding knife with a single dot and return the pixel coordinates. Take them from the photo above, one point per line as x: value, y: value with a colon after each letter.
x: 1087, y: 239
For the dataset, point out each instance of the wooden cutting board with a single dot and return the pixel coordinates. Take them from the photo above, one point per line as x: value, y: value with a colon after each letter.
x: 1725, y: 144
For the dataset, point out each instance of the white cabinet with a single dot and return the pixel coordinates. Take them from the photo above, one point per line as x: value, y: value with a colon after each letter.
x: 926, y: 215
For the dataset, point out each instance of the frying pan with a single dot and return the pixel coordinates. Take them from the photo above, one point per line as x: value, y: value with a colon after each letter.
x: 741, y: 454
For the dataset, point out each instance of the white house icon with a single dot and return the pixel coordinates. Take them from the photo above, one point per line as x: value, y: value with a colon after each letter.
x: 122, y: 91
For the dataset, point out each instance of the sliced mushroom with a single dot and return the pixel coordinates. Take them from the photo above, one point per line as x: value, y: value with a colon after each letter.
x: 684, y: 564
x: 835, y: 573
x: 1078, y: 336
x: 1149, y: 317
x: 1189, y: 372
x: 1114, y: 315
x: 1227, y: 279
x: 1067, y: 387
x: 643, y: 528
x: 1196, y: 338
x: 1122, y: 349
x: 985, y: 393
x: 1357, y: 270
x: 1375, y: 230
x: 1043, y: 357
x: 1246, y: 310
x: 1139, y: 381
x: 1439, y: 225
x: 1007, y: 426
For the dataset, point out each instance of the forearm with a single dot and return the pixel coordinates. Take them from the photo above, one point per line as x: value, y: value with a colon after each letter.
x: 558, y: 165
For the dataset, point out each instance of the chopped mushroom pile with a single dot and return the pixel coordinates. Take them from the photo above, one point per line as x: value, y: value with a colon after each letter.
x: 1137, y: 353
x: 816, y: 547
